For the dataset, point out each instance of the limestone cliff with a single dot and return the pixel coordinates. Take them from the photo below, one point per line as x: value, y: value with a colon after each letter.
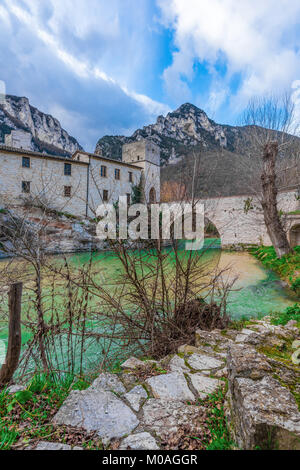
x: 177, y: 133
x: 47, y: 134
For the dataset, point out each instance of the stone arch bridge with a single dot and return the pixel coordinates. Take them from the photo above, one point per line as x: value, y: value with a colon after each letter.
x: 239, y: 219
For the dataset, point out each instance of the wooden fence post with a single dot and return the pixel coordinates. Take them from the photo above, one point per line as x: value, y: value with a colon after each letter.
x: 14, y: 335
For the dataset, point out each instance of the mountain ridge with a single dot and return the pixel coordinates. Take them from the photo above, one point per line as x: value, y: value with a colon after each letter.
x: 48, y: 136
x: 186, y: 128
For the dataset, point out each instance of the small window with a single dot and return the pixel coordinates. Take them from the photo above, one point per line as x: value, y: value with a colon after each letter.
x: 25, y: 162
x: 26, y: 187
x: 117, y: 174
x: 103, y: 171
x: 138, y: 158
x: 128, y: 199
x: 130, y: 176
x: 105, y: 195
x: 67, y: 191
x: 68, y: 169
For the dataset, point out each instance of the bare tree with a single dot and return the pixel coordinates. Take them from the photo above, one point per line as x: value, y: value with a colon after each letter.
x: 272, y: 129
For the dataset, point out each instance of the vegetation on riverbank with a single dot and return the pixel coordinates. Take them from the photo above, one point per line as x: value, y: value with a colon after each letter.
x: 288, y: 267
x: 26, y: 415
x: 290, y: 313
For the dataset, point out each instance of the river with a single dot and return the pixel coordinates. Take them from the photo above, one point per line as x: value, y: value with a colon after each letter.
x: 257, y: 291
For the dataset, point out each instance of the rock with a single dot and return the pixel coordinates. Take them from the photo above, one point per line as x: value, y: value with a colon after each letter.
x: 203, y: 337
x: 136, y: 397
x: 129, y: 379
x: 276, y: 330
x: 221, y: 373
x: 43, y: 445
x: 171, y: 386
x: 15, y: 389
x: 245, y: 361
x: 17, y: 113
x: 250, y: 337
x: 177, y: 364
x: 141, y: 441
x: 108, y: 382
x: 204, y: 362
x: 211, y: 338
x: 132, y: 363
x: 97, y: 410
x: 204, y: 385
x: 165, y: 417
x: 291, y: 324
x: 186, y: 349
x: 263, y: 414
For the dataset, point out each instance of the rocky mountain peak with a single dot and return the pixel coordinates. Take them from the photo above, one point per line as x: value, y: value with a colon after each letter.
x: 47, y: 135
x: 186, y: 127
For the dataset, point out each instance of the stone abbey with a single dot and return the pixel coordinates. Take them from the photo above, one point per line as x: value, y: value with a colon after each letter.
x: 76, y: 185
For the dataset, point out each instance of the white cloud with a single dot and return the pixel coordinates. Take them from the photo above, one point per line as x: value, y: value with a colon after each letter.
x: 256, y: 38
x: 84, y: 24
x: 296, y: 102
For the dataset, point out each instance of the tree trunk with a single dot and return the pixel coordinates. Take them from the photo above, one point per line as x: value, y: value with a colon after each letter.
x: 269, y: 202
x: 14, y: 336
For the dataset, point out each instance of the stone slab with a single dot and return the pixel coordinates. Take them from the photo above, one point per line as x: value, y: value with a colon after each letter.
x: 97, y: 410
x: 171, y: 386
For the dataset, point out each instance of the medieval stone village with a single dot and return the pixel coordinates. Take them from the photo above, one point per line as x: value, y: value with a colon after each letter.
x: 129, y: 344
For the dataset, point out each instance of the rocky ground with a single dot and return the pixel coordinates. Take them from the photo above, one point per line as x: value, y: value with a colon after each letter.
x: 166, y: 404
x: 60, y: 232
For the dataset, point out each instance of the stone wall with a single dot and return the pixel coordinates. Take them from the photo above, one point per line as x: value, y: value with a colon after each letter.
x: 47, y: 181
x: 239, y: 226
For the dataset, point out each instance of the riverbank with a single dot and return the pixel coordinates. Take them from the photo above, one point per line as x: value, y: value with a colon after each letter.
x: 287, y: 267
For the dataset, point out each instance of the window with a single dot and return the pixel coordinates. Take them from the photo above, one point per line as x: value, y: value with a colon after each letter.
x: 105, y: 195
x: 25, y: 162
x: 67, y: 191
x: 130, y: 176
x: 26, y: 187
x: 103, y: 171
x: 128, y: 199
x: 68, y: 169
x: 117, y: 174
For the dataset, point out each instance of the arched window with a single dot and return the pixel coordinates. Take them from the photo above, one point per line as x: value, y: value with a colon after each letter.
x: 152, y: 196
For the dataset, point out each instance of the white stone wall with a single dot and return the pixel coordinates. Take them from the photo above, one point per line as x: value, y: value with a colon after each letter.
x: 146, y: 155
x: 115, y: 188
x: 235, y: 226
x: 18, y: 139
x: 47, y: 181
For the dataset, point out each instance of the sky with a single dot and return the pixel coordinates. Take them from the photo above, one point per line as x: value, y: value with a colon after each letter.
x: 109, y: 67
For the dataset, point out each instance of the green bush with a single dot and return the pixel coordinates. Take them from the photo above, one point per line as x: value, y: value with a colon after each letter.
x: 296, y: 285
x: 286, y: 266
x: 290, y: 313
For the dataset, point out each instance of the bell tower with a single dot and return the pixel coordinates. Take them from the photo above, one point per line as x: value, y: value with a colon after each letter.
x: 146, y: 155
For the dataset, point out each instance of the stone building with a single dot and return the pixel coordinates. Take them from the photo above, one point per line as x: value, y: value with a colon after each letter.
x: 79, y: 184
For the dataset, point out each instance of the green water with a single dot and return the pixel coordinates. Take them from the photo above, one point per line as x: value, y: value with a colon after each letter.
x: 256, y: 291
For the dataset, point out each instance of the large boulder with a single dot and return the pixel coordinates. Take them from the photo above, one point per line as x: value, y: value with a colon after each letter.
x: 262, y: 413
